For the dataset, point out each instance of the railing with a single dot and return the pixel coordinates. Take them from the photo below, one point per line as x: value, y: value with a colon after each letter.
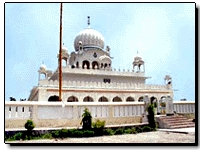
x: 102, y: 85
x: 72, y: 110
x: 59, y: 114
x: 184, y: 107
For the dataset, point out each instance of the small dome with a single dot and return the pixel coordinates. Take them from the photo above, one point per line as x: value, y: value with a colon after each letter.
x: 137, y: 57
x: 64, y: 49
x: 89, y: 38
x: 43, y: 67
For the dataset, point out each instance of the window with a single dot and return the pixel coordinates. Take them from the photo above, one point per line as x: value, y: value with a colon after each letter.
x: 106, y: 80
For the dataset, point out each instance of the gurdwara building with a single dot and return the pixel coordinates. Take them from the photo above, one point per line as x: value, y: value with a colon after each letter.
x: 88, y: 76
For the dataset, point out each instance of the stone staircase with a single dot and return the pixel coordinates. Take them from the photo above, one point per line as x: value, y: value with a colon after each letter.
x: 174, y: 122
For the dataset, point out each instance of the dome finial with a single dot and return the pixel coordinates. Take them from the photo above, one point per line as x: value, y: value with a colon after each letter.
x: 88, y: 21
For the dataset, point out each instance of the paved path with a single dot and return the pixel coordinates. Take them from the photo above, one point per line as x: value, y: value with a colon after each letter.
x: 180, y: 130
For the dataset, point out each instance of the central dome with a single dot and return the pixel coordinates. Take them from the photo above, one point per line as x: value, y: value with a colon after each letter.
x: 90, y: 38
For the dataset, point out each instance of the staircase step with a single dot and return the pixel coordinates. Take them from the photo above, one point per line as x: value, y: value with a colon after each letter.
x: 182, y: 126
x: 176, y: 122
x: 180, y: 123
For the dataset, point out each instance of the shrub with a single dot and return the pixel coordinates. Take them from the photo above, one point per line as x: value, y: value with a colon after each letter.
x: 139, y: 129
x: 18, y: 136
x: 29, y: 125
x: 87, y: 119
x: 98, y: 127
x: 47, y: 136
x: 108, y: 132
x: 146, y: 129
x: 150, y: 116
x: 63, y: 133
x: 55, y: 134
x: 77, y: 133
x: 119, y: 131
x: 98, y: 124
x: 130, y: 131
x: 88, y: 133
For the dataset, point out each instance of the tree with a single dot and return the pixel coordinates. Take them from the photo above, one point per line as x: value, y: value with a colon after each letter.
x: 86, y: 120
x: 150, y: 116
x: 29, y: 125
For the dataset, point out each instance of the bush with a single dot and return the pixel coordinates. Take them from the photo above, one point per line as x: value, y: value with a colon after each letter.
x: 130, y: 131
x: 139, y: 129
x: 55, y: 134
x: 63, y: 133
x: 86, y: 120
x: 88, y: 133
x: 146, y: 129
x: 18, y: 136
x: 98, y: 127
x: 119, y: 131
x: 150, y: 116
x: 108, y: 132
x: 98, y: 124
x: 77, y: 133
x: 46, y: 136
x: 29, y: 125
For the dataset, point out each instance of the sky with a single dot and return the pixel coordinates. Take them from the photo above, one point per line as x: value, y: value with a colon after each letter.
x: 162, y: 33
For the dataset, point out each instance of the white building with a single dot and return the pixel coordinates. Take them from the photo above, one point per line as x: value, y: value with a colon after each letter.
x: 88, y: 76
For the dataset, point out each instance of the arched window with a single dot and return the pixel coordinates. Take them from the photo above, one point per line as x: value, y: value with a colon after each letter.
x: 42, y: 76
x: 86, y: 63
x: 130, y: 99
x: 88, y: 99
x: 94, y: 64
x: 117, y: 99
x: 77, y: 64
x: 72, y: 99
x: 64, y: 61
x: 141, y: 99
x: 153, y: 99
x: 103, y: 99
x: 53, y: 99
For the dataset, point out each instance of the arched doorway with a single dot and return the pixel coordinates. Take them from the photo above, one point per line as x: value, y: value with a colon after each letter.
x: 77, y: 64
x: 154, y: 101
x: 64, y: 61
x: 95, y: 64
x: 117, y: 99
x: 130, y: 99
x: 162, y: 105
x: 103, y: 99
x: 88, y: 99
x: 141, y: 99
x: 86, y: 64
x: 53, y: 99
x: 72, y: 99
x: 42, y: 76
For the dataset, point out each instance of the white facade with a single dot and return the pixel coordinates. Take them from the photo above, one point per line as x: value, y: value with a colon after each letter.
x: 88, y: 76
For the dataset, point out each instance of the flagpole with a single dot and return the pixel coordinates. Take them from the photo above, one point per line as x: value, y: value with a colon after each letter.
x: 60, y: 56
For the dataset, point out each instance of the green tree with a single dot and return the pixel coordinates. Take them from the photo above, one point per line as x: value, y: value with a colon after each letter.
x: 86, y: 120
x: 150, y: 116
x: 29, y: 125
